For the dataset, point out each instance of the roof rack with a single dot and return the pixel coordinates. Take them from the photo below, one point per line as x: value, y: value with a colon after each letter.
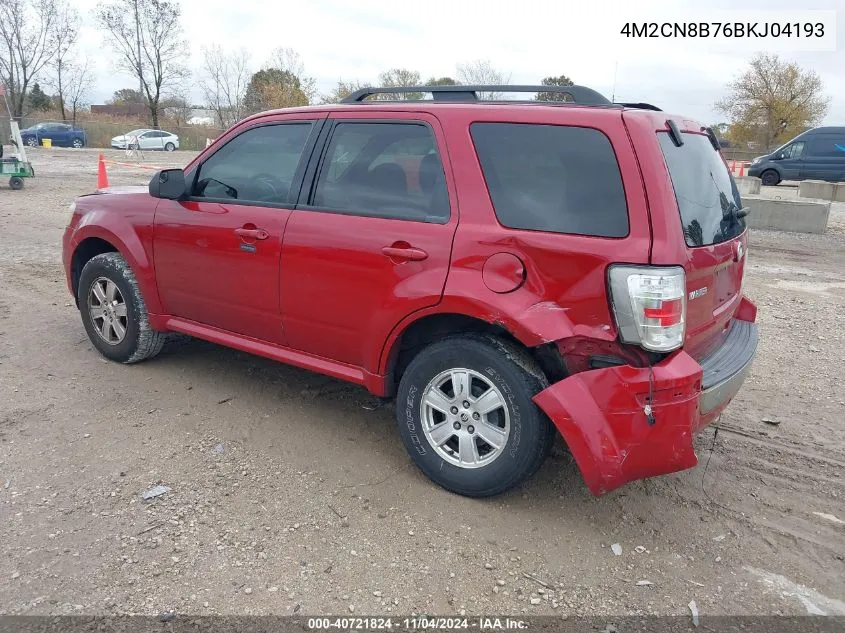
x: 580, y: 95
x: 640, y: 106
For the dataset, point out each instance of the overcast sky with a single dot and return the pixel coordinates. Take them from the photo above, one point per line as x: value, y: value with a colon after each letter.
x: 529, y: 39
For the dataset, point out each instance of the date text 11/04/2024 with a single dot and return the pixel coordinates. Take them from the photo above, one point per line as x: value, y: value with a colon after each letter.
x: 418, y: 623
x: 722, y: 29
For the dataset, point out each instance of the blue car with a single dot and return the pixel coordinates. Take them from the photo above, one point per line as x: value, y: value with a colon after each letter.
x: 60, y: 135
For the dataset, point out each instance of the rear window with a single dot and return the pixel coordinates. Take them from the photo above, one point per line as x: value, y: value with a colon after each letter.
x: 704, y: 188
x: 552, y: 178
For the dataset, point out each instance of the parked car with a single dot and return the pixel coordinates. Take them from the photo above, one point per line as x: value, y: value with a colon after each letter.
x: 147, y: 139
x: 503, y: 271
x: 817, y: 154
x: 60, y: 135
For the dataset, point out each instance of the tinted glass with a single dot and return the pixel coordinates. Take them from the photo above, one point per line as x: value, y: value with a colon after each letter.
x: 704, y: 188
x: 793, y: 151
x: 383, y: 169
x: 830, y: 145
x: 256, y: 166
x: 552, y: 178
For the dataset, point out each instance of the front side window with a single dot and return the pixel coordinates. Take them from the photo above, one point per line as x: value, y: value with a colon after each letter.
x: 552, y: 178
x: 794, y: 150
x: 387, y: 170
x: 256, y: 166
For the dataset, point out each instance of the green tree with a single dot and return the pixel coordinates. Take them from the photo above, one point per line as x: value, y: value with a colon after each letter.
x: 773, y: 101
x: 125, y: 96
x: 273, y: 88
x: 560, y: 80
x: 441, y: 81
x: 38, y: 99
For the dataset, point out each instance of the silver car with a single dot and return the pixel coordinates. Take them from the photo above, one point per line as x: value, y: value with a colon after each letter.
x: 147, y: 139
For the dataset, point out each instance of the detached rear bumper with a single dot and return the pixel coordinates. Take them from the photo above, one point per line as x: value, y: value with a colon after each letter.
x: 601, y: 416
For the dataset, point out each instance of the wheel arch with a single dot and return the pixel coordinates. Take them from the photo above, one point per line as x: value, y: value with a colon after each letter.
x: 410, y: 337
x: 92, y: 239
x: 87, y: 249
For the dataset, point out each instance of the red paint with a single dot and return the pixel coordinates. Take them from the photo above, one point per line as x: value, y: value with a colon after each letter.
x: 503, y: 272
x: 600, y: 415
x: 334, y: 293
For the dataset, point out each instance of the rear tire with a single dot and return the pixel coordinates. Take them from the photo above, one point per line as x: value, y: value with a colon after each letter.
x: 770, y: 177
x: 16, y: 183
x: 118, y: 326
x: 499, y: 374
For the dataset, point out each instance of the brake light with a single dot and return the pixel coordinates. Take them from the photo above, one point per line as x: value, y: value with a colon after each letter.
x: 649, y: 304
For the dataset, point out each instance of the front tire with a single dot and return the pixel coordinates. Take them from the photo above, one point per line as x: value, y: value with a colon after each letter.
x: 169, y: 147
x: 466, y: 416
x: 113, y: 311
x: 77, y: 143
x: 770, y: 178
x: 31, y: 142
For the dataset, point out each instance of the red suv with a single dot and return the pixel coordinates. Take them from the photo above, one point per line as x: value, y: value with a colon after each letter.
x: 504, y: 270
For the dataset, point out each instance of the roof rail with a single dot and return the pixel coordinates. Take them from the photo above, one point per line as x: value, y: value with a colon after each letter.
x: 580, y: 95
x: 640, y: 106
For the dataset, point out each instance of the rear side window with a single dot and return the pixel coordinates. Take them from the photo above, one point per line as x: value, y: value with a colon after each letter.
x: 256, y: 166
x: 389, y: 170
x: 704, y: 188
x: 552, y: 178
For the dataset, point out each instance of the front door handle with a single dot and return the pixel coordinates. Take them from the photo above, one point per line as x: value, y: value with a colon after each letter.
x: 408, y: 253
x: 255, y: 234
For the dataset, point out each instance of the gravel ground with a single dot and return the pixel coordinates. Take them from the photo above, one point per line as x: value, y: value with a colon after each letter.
x: 288, y: 496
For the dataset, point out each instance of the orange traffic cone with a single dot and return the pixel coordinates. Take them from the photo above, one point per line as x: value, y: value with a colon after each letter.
x: 741, y: 170
x: 102, y: 176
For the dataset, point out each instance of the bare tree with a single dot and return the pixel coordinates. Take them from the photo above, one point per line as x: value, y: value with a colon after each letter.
x: 26, y: 27
x: 344, y: 89
x: 78, y: 81
x: 150, y: 47
x: 400, y: 77
x: 62, y: 42
x: 288, y: 60
x: 482, y: 72
x: 223, y: 82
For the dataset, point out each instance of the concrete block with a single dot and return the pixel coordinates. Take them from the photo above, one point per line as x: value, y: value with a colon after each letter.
x: 748, y: 185
x: 839, y: 192
x: 818, y: 189
x: 787, y: 215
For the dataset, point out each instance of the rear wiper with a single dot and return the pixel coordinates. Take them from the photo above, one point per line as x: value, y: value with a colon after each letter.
x: 736, y: 214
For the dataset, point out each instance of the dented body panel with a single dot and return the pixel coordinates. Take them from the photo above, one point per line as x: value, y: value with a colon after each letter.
x: 340, y: 307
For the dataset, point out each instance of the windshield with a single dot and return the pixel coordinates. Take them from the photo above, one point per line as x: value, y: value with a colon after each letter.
x: 705, y: 190
x: 135, y: 133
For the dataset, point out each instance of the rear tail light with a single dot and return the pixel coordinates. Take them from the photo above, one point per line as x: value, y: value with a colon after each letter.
x: 650, y: 305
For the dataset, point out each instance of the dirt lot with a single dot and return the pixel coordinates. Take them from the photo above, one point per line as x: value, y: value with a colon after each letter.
x: 288, y: 496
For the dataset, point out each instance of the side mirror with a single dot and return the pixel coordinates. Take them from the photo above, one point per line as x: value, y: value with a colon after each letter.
x: 779, y: 156
x: 168, y: 184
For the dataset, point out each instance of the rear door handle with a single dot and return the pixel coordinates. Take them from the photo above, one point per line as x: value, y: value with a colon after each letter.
x: 255, y: 234
x: 407, y: 253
